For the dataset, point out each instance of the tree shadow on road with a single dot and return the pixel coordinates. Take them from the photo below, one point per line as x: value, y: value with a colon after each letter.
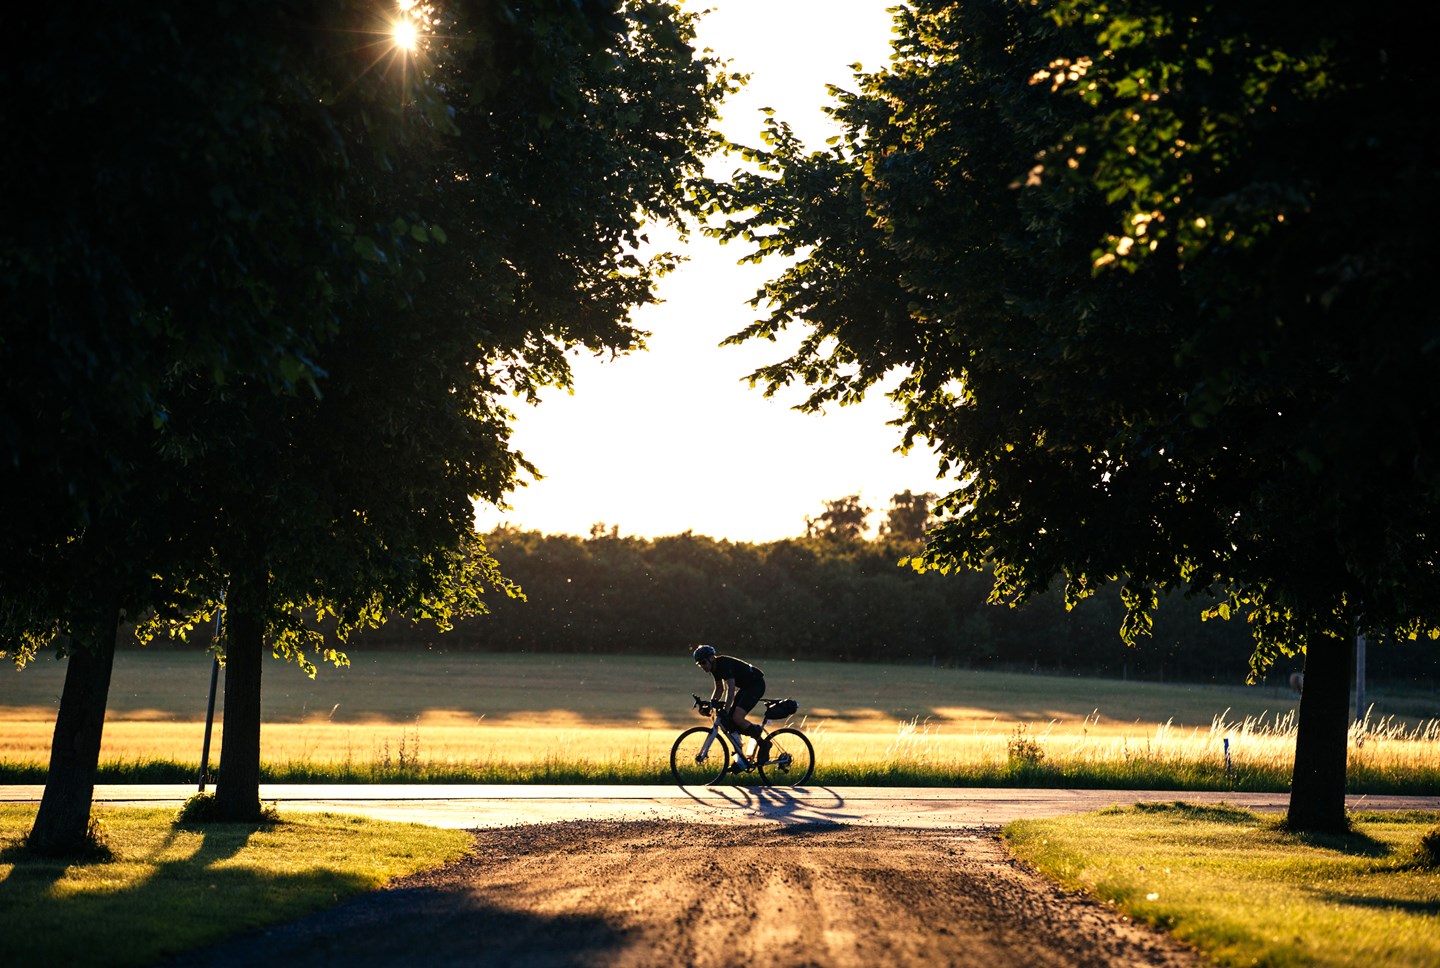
x: 419, y: 925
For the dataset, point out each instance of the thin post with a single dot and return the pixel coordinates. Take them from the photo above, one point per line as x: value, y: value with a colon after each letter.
x: 209, y: 723
x: 210, y: 708
x: 1359, y: 676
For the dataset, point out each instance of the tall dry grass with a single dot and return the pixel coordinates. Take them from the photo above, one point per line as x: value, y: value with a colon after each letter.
x: 1245, y: 753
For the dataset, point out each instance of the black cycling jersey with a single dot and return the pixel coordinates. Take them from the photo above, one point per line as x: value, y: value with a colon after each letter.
x: 729, y: 667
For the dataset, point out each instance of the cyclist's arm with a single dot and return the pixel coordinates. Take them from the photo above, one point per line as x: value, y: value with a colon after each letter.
x: 730, y: 692
x: 718, y: 691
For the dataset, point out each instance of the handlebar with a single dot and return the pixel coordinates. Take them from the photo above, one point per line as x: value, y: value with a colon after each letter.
x: 708, y: 707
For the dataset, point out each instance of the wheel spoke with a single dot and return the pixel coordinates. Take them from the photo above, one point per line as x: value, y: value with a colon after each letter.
x: 690, y: 766
x: 792, y: 758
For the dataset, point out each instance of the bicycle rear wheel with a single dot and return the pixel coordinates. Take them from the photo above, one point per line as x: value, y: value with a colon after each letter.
x: 792, y: 758
x: 687, y: 765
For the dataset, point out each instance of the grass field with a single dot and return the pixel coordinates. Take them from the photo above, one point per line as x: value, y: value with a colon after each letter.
x: 570, y: 718
x: 1244, y: 892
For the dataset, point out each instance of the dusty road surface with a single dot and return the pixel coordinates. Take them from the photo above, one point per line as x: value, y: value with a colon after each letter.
x: 642, y: 893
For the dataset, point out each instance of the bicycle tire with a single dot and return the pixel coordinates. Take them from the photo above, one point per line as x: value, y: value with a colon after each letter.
x: 792, y: 758
x: 685, y: 766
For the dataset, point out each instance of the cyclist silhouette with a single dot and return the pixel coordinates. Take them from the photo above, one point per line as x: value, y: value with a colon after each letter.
x: 741, y: 685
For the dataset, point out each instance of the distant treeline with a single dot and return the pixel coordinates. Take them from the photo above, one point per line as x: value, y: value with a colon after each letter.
x: 821, y: 597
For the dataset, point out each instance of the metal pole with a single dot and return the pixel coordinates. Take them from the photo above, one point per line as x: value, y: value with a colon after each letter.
x: 1359, y: 677
x: 210, y: 707
x: 209, y: 723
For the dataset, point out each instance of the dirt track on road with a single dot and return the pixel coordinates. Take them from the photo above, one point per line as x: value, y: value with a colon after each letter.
x: 664, y: 893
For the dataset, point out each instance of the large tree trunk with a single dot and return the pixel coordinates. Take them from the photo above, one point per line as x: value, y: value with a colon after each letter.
x: 1317, y: 789
x: 62, y: 824
x: 237, y: 788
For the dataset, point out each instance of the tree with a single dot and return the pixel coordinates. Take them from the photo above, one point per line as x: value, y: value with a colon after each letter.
x: 1151, y: 276
x: 842, y: 520
x: 908, y: 517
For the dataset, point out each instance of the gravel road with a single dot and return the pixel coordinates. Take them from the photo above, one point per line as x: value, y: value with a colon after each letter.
x: 641, y: 893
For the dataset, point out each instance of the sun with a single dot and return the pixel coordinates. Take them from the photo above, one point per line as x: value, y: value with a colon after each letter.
x: 405, y: 35
x: 409, y: 20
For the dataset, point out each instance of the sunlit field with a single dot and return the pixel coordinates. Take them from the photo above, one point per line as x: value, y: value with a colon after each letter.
x: 491, y: 718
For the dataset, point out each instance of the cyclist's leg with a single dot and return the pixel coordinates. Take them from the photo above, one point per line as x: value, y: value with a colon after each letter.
x: 745, y: 701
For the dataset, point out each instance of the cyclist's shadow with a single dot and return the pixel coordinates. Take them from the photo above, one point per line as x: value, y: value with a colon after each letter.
x: 792, y: 807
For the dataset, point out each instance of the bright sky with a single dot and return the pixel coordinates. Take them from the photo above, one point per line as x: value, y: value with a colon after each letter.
x: 674, y: 439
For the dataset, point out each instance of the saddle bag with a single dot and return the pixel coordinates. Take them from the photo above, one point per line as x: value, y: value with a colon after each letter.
x: 781, y: 709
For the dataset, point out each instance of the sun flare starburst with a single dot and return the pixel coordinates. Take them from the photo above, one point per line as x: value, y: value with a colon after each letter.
x: 407, y: 29
x: 405, y: 34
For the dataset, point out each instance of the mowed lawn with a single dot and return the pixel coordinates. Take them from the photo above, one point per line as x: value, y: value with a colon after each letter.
x: 467, y: 707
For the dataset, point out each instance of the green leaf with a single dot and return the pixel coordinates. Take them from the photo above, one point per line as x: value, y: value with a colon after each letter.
x: 366, y: 248
x: 293, y: 369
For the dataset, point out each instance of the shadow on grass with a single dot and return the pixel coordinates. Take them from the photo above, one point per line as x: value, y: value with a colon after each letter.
x: 1218, y: 813
x: 1355, y: 843
x: 1408, y: 906
x: 115, y: 919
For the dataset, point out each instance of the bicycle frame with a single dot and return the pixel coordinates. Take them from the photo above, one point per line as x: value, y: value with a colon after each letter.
x: 718, y: 726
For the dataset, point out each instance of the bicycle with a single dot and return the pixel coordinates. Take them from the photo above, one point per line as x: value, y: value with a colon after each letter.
x: 701, y: 755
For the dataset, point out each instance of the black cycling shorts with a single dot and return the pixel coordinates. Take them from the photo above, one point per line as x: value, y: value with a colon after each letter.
x: 747, y: 698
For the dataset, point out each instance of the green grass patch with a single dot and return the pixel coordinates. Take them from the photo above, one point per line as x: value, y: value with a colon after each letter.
x: 170, y: 887
x: 1245, y: 892
x: 1136, y: 775
x: 1101, y: 776
x: 1084, y: 776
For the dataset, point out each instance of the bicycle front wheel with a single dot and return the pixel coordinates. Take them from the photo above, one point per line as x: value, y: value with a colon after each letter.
x: 792, y: 758
x: 689, y: 767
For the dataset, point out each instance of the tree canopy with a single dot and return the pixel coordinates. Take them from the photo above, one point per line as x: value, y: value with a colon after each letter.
x: 826, y: 599
x: 1151, y: 276
x: 388, y: 249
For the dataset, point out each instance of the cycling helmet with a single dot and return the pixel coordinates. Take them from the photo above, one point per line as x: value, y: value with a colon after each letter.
x: 703, y: 652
